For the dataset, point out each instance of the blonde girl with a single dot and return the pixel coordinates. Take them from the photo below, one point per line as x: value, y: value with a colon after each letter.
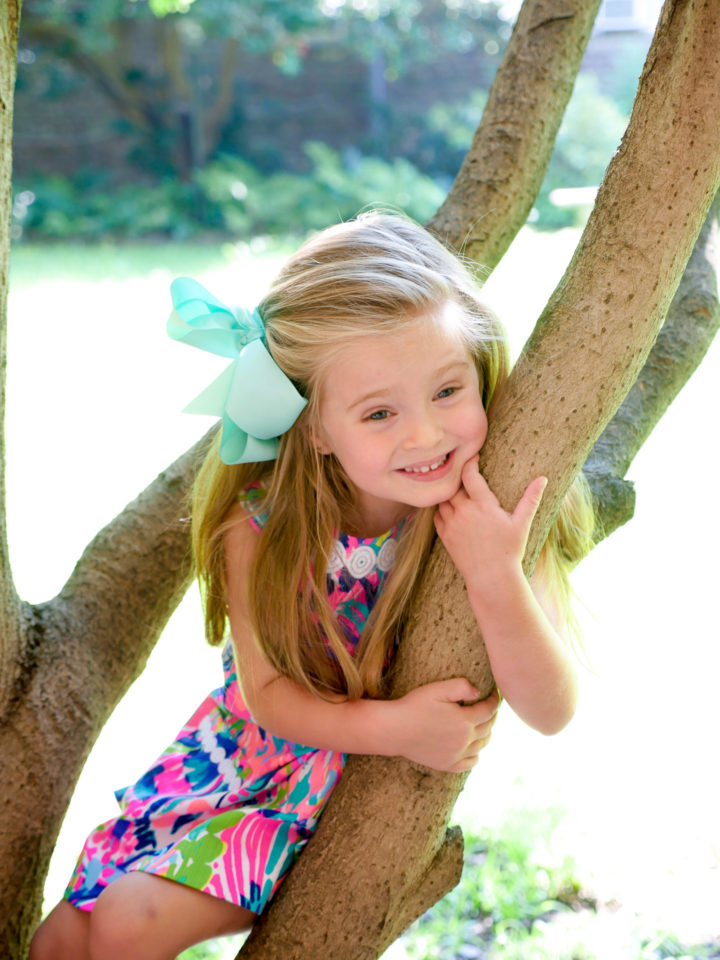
x: 352, y: 416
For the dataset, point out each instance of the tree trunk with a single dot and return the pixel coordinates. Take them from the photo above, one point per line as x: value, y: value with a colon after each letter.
x: 65, y: 664
x: 367, y: 872
x: 9, y: 24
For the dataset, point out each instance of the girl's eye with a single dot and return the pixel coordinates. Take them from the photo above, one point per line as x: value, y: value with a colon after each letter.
x: 446, y: 392
x: 378, y: 415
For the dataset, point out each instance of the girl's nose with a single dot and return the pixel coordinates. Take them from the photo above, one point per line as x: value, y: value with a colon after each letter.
x: 424, y: 432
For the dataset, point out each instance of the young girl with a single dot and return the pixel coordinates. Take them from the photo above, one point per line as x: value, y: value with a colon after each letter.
x: 352, y: 416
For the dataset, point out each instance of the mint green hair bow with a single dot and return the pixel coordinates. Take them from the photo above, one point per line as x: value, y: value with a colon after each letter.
x: 255, y: 400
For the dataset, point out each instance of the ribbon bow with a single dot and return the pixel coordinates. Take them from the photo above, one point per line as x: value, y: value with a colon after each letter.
x: 254, y: 398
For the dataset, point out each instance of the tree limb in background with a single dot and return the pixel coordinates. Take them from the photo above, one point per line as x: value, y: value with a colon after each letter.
x: 104, y: 68
x: 690, y: 326
x: 501, y: 175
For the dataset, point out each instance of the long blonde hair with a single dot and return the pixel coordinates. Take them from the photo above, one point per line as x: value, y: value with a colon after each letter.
x: 371, y: 275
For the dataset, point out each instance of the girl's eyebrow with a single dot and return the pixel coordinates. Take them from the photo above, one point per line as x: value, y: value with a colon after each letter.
x: 384, y: 391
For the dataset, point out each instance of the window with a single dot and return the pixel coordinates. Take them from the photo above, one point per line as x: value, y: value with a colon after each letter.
x: 633, y: 15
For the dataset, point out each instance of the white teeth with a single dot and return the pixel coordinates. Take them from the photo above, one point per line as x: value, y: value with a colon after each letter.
x: 427, y: 469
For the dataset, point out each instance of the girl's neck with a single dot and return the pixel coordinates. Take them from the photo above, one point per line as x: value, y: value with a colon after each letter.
x: 367, y: 524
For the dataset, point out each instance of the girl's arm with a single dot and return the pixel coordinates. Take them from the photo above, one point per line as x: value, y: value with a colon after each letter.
x: 532, y: 666
x: 429, y: 725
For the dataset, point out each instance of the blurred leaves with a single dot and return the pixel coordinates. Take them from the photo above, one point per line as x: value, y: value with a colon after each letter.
x: 161, y: 8
x: 177, y: 75
x: 229, y: 196
x: 590, y: 133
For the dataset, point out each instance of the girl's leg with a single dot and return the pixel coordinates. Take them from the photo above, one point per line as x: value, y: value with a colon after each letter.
x: 144, y: 917
x: 63, y: 935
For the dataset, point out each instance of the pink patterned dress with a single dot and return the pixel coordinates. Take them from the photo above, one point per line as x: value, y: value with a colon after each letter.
x: 228, y: 807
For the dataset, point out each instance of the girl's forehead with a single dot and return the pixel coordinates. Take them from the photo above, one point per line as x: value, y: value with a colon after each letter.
x: 440, y: 329
x: 418, y: 351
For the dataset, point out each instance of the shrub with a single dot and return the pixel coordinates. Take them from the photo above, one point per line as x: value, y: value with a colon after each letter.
x: 229, y: 195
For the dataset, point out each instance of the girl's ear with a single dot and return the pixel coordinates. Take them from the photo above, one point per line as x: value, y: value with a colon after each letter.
x: 320, y: 444
x: 318, y: 441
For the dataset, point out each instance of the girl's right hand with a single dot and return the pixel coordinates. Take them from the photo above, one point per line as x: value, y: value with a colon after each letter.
x: 438, y: 725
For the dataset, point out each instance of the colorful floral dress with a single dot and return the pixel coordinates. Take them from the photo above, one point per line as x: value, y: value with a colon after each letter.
x: 228, y: 807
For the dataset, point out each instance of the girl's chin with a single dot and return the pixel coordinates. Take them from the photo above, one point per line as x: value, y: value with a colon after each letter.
x: 430, y: 496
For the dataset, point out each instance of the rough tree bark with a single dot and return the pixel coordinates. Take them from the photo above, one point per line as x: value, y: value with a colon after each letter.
x: 65, y: 664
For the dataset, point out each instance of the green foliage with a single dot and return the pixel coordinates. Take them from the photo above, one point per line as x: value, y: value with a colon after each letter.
x: 511, y: 880
x: 224, y: 949
x: 161, y: 8
x: 230, y: 196
x: 117, y: 47
x: 589, y: 135
x: 457, y: 122
x: 519, y: 899
x: 56, y: 209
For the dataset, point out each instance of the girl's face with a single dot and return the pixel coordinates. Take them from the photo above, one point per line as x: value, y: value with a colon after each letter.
x: 402, y: 413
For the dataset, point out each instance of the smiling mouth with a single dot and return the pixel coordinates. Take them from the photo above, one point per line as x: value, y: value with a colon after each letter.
x: 429, y: 467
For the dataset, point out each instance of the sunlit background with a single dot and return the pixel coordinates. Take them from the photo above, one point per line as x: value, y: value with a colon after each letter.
x: 95, y: 389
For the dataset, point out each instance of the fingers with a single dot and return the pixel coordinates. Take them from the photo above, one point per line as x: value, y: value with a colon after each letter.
x: 459, y: 689
x: 456, y: 689
x: 471, y: 757
x: 473, y: 486
x: 484, y: 716
x: 530, y: 501
x: 480, y: 711
x: 477, y: 488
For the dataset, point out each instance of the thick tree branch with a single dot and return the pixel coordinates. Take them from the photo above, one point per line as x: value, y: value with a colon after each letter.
x: 588, y: 348
x: 505, y: 165
x: 138, y: 567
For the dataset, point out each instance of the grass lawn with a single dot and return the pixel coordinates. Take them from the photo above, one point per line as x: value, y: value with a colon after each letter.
x: 629, y: 792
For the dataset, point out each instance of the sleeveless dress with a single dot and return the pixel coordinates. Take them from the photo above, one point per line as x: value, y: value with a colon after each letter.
x: 228, y: 807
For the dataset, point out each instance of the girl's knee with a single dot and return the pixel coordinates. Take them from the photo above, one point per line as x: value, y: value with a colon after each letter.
x: 141, y: 916
x: 63, y: 935
x: 122, y: 918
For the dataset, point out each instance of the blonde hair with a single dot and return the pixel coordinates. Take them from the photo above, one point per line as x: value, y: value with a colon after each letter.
x: 368, y: 276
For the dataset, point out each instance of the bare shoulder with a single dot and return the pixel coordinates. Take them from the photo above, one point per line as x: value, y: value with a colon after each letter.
x: 240, y: 542
x: 240, y: 531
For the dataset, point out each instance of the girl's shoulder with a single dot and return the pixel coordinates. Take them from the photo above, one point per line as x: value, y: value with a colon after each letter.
x: 244, y: 521
x: 250, y: 503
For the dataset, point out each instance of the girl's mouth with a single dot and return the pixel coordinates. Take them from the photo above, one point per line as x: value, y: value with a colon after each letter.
x: 432, y: 470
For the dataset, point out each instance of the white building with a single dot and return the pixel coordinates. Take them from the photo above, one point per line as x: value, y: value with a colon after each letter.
x: 628, y: 15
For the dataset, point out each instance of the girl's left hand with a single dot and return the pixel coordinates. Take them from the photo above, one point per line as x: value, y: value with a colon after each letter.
x: 483, y: 539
